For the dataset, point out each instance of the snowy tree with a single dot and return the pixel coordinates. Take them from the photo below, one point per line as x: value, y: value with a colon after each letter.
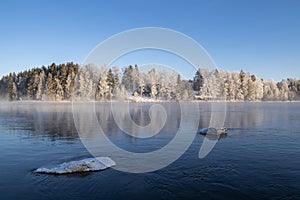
x: 69, y: 87
x: 103, y: 87
x: 271, y: 91
x: 12, y: 92
x: 110, y: 80
x: 87, y: 80
x: 251, y: 93
x: 216, y: 86
x: 178, y: 89
x: 40, y: 86
x: 244, y: 78
x: 154, y: 91
x: 164, y: 89
x: 152, y: 79
x: 59, y: 92
x: 127, y: 79
x: 229, y: 86
x: 187, y: 91
x: 57, y: 82
x: 120, y: 93
x: 50, y: 88
x: 33, y: 85
x: 205, y: 91
x: 259, y: 89
x: 284, y: 90
x: 137, y: 81
x: 198, y: 81
x: 116, y: 71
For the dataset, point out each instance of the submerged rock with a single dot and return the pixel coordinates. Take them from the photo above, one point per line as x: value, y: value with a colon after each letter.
x: 85, y: 165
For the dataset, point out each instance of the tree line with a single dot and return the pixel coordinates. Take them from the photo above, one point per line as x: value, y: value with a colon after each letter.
x: 243, y: 86
x: 65, y: 82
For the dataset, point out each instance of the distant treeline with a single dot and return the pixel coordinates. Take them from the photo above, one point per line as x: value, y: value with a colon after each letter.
x: 68, y: 81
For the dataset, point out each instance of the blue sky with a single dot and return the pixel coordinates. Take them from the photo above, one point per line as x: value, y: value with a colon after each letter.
x: 262, y: 37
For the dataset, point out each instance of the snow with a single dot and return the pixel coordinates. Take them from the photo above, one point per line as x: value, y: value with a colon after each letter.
x: 142, y: 99
x: 85, y: 165
x: 210, y: 130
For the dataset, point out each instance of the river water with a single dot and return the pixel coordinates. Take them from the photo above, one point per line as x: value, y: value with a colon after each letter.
x: 257, y: 159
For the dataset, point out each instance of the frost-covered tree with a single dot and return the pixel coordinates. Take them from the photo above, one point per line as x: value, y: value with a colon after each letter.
x: 164, y: 89
x: 229, y: 88
x: 57, y: 82
x: 271, y: 91
x: 59, y: 91
x: 87, y: 80
x: 32, y: 86
x: 103, y: 91
x: 251, y: 86
x: 110, y: 80
x: 131, y: 78
x: 178, y: 89
x: 12, y: 92
x: 205, y: 91
x: 216, y: 86
x: 244, y: 78
x: 198, y: 81
x: 69, y: 87
x: 51, y: 88
x: 259, y: 89
x: 120, y: 93
x: 284, y: 90
x: 116, y: 71
x: 40, y: 86
x: 187, y: 91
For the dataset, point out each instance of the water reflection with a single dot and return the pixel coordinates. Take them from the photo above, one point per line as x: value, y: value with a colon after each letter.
x: 51, y: 120
x: 55, y: 120
x: 216, y: 136
x: 135, y: 119
x: 244, y: 115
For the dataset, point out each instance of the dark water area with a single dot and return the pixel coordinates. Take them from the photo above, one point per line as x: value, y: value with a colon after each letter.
x: 257, y: 159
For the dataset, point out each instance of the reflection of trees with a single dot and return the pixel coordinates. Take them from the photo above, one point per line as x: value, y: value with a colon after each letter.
x: 212, y: 136
x: 55, y: 120
x: 238, y: 115
x: 51, y: 120
x: 139, y: 113
x: 242, y: 115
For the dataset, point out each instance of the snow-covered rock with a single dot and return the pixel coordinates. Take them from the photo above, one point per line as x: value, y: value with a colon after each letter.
x: 85, y: 165
x: 219, y: 131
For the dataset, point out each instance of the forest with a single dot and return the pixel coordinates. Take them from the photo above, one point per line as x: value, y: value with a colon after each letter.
x: 67, y: 82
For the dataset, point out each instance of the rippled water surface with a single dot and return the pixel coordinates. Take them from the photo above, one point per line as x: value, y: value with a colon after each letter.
x: 257, y: 159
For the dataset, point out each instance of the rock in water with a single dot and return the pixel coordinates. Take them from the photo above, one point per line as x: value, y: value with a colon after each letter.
x: 220, y: 131
x: 85, y: 165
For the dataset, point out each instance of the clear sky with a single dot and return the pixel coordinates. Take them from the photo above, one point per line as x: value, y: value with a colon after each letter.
x: 259, y: 36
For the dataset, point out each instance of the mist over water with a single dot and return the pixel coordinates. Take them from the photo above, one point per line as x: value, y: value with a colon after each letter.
x: 257, y: 159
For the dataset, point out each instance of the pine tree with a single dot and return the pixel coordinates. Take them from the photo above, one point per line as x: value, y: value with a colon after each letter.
x: 110, y: 80
x: 198, y: 81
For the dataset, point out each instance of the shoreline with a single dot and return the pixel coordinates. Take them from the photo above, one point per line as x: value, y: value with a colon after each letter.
x: 147, y: 101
